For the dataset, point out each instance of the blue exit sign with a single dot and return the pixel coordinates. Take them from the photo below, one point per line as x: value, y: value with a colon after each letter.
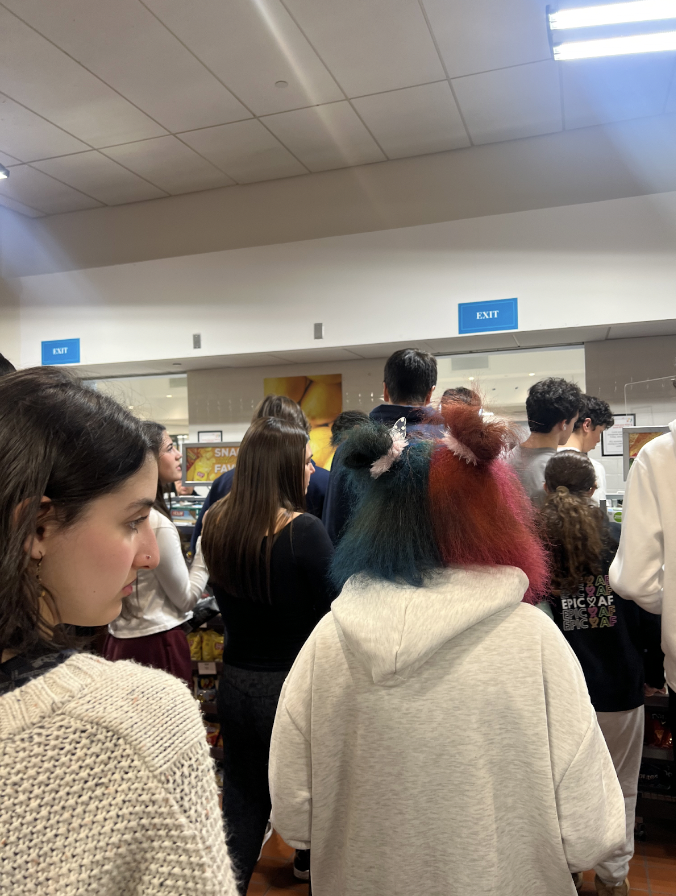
x: 483, y: 317
x: 61, y: 351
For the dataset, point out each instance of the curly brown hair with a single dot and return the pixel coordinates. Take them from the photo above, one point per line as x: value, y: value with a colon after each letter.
x: 573, y: 529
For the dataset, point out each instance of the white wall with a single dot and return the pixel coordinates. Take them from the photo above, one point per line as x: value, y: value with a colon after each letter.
x: 605, y: 262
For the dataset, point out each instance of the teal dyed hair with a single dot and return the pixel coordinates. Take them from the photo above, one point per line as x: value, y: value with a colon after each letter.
x: 390, y: 533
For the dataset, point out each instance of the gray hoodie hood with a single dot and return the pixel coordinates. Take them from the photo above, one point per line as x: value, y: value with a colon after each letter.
x: 393, y: 629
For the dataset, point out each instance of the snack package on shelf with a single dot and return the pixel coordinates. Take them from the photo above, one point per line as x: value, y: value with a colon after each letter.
x: 657, y: 733
x: 213, y: 732
x: 212, y: 646
x: 195, y: 644
x: 219, y: 775
x: 655, y: 776
x: 206, y: 690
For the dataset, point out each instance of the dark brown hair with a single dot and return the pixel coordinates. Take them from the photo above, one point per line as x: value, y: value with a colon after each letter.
x: 269, y: 475
x: 284, y: 409
x: 62, y: 440
x: 573, y: 529
x: 155, y: 435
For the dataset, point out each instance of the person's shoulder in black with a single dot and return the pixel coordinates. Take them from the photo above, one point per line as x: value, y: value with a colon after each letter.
x: 316, y: 491
x: 312, y: 551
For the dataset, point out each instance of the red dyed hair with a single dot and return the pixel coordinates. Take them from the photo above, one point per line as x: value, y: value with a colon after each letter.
x: 480, y: 513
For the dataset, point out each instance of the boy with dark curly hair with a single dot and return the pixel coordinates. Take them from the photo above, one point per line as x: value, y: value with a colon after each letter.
x: 552, y: 407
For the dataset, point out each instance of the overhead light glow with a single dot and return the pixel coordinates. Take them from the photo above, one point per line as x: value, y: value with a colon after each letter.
x: 170, y: 396
x: 4, y: 172
x: 616, y: 46
x: 613, y: 14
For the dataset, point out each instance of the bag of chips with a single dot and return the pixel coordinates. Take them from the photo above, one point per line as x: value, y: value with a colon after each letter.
x: 206, y: 690
x: 213, y: 730
x: 212, y: 646
x: 195, y: 644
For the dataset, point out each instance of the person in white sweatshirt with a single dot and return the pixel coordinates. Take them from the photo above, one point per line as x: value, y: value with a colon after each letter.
x: 106, y: 777
x: 644, y: 568
x: 150, y: 627
x: 435, y: 733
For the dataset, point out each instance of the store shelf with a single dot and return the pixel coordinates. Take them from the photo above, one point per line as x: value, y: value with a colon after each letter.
x: 197, y: 670
x: 663, y: 755
x: 209, y: 709
x: 657, y: 701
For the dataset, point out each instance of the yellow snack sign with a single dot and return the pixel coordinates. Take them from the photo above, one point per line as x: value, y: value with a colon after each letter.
x: 203, y: 462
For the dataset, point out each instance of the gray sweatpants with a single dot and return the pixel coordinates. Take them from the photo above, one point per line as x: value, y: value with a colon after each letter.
x: 623, y: 732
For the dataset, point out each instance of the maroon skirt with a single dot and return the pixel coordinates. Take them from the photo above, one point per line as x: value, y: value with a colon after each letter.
x: 168, y: 651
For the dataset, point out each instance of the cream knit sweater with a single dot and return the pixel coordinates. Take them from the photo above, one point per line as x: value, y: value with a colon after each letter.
x: 107, y: 787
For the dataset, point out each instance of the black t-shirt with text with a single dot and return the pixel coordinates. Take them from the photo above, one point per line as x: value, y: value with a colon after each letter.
x: 616, y: 642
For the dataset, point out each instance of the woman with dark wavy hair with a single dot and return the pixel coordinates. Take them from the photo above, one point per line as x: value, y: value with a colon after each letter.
x: 616, y: 642
x: 435, y: 733
x: 105, y: 774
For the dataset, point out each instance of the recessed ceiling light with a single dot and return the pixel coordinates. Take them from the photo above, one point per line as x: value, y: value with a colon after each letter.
x: 471, y: 379
x: 612, y: 14
x: 176, y: 364
x: 4, y: 172
x: 531, y: 374
x: 616, y: 46
x: 281, y: 84
x: 131, y: 407
x: 170, y: 396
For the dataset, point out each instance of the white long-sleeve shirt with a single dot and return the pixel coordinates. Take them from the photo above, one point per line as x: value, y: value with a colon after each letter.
x: 166, y: 595
x: 442, y: 739
x: 644, y: 568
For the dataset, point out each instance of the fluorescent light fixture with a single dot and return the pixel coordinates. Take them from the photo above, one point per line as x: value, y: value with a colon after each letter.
x: 613, y: 14
x: 4, y: 172
x: 616, y: 46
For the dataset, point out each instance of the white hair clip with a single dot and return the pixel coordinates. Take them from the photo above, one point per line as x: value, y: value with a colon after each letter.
x: 459, y: 449
x: 383, y: 464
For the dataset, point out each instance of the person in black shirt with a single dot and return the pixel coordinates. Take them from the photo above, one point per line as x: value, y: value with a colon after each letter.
x: 616, y: 642
x: 269, y: 562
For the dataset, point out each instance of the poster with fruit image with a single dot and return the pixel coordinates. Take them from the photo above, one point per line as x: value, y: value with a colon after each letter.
x: 321, y: 398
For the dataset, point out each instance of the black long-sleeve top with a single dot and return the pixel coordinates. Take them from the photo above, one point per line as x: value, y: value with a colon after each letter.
x: 269, y: 635
x: 616, y: 642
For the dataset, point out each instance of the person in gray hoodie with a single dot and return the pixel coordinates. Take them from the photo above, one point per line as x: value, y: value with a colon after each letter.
x: 435, y: 733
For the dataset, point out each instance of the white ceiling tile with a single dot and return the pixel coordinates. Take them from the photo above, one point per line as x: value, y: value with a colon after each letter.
x: 414, y: 121
x: 19, y: 207
x: 100, y: 177
x: 149, y: 66
x: 8, y: 160
x: 250, y: 46
x: 370, y: 47
x: 43, y: 193
x: 481, y: 35
x: 326, y: 137
x: 170, y: 164
x: 245, y: 150
x: 515, y: 102
x: 40, y: 76
x: 28, y: 136
x: 596, y: 91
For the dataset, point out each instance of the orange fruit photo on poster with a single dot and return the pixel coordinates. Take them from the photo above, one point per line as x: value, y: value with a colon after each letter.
x: 321, y: 398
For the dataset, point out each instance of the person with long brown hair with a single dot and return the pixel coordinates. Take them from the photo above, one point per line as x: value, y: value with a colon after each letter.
x: 268, y: 562
x: 150, y: 627
x: 616, y: 642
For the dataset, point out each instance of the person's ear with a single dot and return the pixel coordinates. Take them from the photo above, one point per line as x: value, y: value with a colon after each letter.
x: 386, y: 394
x: 546, y: 488
x: 587, y: 425
x: 35, y: 544
x: 428, y: 397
